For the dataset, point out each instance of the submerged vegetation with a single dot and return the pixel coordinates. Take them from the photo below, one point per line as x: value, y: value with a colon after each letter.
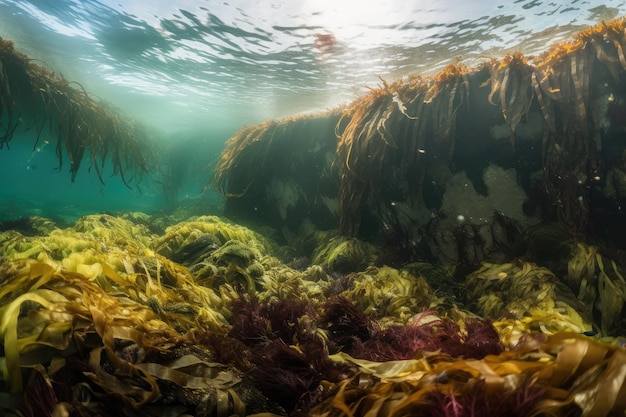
x: 33, y: 97
x: 390, y: 298
x: 109, y: 318
x: 555, y: 120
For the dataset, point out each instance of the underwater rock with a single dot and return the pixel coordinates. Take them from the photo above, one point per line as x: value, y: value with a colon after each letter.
x: 29, y: 226
x: 343, y: 254
x: 523, y: 291
x: 185, y: 233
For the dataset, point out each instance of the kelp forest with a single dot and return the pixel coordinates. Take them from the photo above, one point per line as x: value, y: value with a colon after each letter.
x: 33, y: 97
x: 449, y: 245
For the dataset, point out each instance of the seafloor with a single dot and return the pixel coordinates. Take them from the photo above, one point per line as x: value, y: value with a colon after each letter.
x: 130, y: 315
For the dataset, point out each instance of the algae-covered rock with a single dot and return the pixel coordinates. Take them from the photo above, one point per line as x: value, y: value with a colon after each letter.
x: 233, y: 263
x: 529, y: 293
x: 29, y: 226
x: 181, y: 237
x: 343, y: 254
x: 390, y: 295
x: 196, y: 246
x: 114, y: 231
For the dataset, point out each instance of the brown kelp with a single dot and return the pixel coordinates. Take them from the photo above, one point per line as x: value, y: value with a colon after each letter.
x: 389, y: 133
x: 50, y: 103
x: 567, y: 374
x: 560, y: 114
x: 277, y: 162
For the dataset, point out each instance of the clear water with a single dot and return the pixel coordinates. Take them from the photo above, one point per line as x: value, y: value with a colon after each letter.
x: 195, y: 71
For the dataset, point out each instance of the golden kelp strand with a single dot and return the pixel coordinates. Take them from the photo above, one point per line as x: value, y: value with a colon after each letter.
x: 8, y: 332
x: 511, y: 83
x: 563, y: 374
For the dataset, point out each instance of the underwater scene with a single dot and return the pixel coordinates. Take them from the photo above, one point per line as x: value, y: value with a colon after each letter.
x: 313, y: 208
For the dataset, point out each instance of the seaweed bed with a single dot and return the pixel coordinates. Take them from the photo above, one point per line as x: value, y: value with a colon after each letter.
x: 131, y: 316
x: 360, y: 293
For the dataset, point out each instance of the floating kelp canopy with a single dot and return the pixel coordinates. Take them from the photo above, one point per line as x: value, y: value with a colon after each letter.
x: 279, y: 167
x: 34, y: 97
x: 406, y: 154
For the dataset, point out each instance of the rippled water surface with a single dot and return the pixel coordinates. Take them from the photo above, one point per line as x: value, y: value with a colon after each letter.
x: 221, y: 64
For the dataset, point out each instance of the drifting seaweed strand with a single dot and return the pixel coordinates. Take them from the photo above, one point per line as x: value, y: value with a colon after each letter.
x: 568, y: 149
x: 451, y: 90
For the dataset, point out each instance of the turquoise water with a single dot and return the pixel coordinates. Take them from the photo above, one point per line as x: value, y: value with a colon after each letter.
x: 194, y: 72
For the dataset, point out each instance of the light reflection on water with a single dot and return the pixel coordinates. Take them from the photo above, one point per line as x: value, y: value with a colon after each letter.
x: 175, y: 63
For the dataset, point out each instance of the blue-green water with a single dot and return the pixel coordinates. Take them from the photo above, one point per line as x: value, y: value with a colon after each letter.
x: 194, y: 72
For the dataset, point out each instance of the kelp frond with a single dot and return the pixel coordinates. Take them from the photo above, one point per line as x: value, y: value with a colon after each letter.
x: 389, y: 131
x: 567, y: 374
x: 81, y: 123
x: 511, y: 84
x: 392, y: 134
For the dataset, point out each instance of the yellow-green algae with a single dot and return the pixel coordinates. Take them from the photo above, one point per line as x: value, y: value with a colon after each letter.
x: 341, y: 253
x: 107, y: 281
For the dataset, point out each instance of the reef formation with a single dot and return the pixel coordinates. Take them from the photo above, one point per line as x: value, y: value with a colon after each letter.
x: 117, y: 315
